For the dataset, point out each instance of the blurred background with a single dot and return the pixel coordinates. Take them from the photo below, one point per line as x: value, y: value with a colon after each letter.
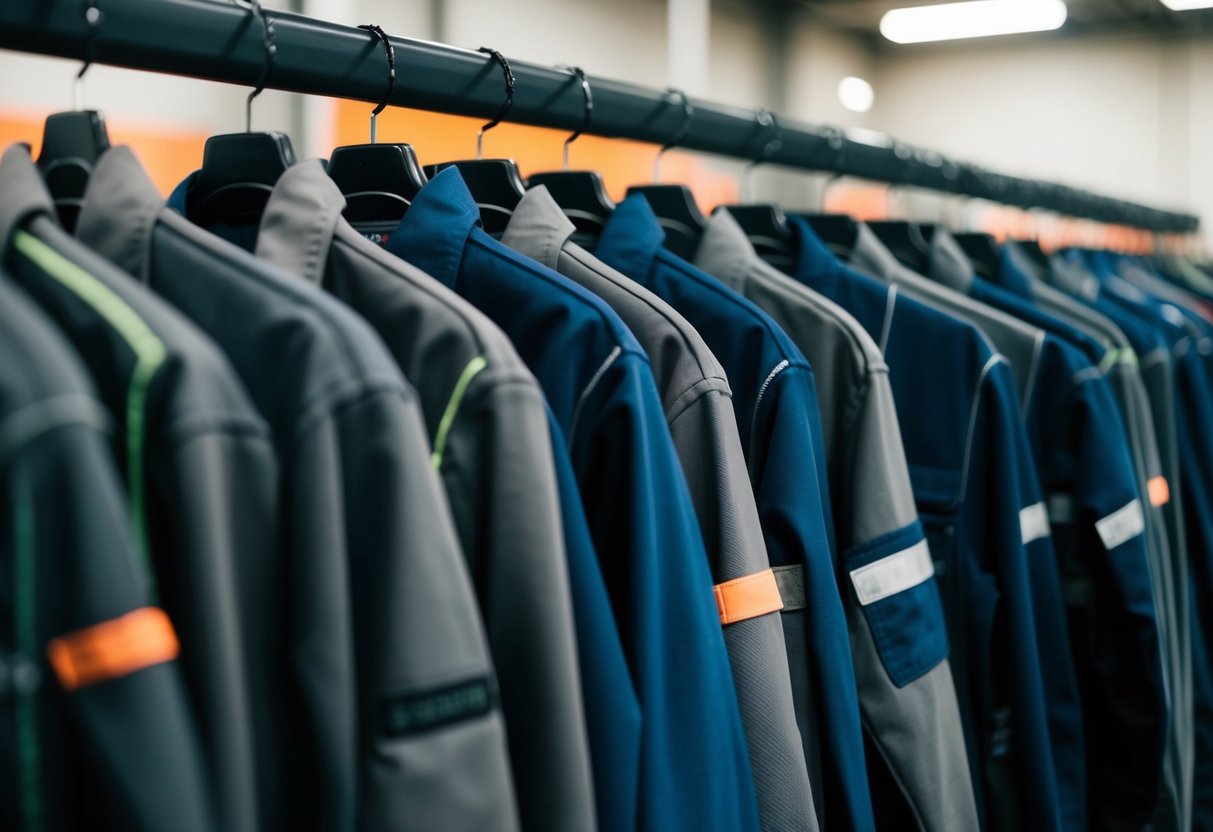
x: 1119, y: 99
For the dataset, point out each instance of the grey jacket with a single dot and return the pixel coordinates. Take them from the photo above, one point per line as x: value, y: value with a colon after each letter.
x: 381, y: 635
x: 490, y: 445
x: 695, y: 395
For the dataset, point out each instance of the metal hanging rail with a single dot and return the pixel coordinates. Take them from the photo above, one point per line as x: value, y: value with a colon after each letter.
x: 220, y: 41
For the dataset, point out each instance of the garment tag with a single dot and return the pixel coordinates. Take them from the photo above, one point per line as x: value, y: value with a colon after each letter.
x: 415, y: 713
x: 1033, y: 522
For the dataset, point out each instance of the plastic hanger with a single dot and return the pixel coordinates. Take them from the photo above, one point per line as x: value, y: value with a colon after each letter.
x: 907, y: 241
x: 837, y: 231
x: 495, y: 184
x: 675, y: 205
x: 72, y: 142
x: 379, y: 181
x: 581, y: 194
x: 764, y: 224
x: 239, y: 170
x: 983, y: 252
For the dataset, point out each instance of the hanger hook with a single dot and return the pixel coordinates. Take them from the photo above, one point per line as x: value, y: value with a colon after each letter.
x: 587, y: 115
x: 688, y: 114
x: 271, y: 49
x: 93, y: 17
x: 763, y: 118
x: 378, y: 32
x: 505, y: 106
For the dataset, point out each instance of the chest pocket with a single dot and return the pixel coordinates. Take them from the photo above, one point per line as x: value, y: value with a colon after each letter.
x: 893, y: 578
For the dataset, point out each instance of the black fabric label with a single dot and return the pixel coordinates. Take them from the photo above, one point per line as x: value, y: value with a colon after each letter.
x: 415, y: 713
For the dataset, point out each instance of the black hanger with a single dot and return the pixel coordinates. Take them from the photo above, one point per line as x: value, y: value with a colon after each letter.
x: 983, y: 252
x: 1033, y: 250
x: 764, y: 224
x: 837, y: 231
x: 379, y: 181
x: 72, y: 142
x: 495, y: 184
x: 581, y: 194
x: 239, y: 170
x: 907, y: 241
x: 675, y: 205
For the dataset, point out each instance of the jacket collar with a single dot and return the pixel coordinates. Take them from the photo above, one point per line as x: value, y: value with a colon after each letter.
x: 816, y: 265
x: 435, y: 230
x: 869, y: 255
x: 948, y: 263
x: 538, y: 228
x: 725, y: 252
x: 299, y: 221
x: 23, y: 192
x: 631, y: 238
x: 121, y: 206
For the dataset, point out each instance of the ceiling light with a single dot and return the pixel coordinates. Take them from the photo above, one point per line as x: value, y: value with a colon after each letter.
x: 1185, y: 5
x: 857, y: 94
x: 980, y: 18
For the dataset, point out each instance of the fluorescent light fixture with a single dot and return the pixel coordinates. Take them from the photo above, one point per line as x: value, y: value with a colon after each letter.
x: 1185, y: 5
x: 857, y: 94
x: 977, y: 19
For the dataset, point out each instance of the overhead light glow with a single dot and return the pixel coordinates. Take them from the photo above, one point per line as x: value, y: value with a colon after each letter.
x: 857, y: 94
x: 976, y: 19
x: 1185, y: 5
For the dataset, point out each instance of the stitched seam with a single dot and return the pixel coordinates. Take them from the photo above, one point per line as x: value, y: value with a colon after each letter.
x: 1037, y: 349
x: 31, y: 421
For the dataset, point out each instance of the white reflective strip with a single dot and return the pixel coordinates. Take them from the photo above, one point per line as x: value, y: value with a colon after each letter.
x: 1122, y: 525
x: 1061, y: 508
x: 892, y: 574
x: 1033, y: 523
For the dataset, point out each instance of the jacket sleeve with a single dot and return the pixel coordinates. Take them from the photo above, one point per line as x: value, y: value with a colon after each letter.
x: 898, y: 636
x: 115, y: 748
x: 498, y: 468
x: 1108, y: 579
x: 431, y: 726
x: 695, y: 766
x: 709, y: 449
x: 785, y: 461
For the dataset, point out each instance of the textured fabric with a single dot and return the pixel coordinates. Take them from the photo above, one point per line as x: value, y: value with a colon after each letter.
x: 197, y: 461
x: 122, y: 754
x: 775, y: 403
x: 696, y: 397
x: 908, y: 700
x: 695, y: 770
x: 491, y: 448
x: 380, y: 623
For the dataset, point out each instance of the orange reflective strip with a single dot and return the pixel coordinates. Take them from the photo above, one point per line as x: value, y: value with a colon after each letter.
x: 1160, y: 492
x: 113, y: 648
x: 748, y: 597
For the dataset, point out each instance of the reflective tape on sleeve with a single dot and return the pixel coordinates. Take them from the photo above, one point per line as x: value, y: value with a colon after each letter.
x: 114, y: 648
x: 892, y: 574
x: 1159, y: 491
x: 1033, y: 522
x: 1122, y: 525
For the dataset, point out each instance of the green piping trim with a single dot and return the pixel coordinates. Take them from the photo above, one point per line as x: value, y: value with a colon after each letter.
x: 452, y: 407
x: 28, y: 751
x: 149, y: 356
x: 1114, y: 356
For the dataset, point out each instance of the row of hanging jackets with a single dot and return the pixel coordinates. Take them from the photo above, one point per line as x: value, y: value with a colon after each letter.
x: 309, y: 525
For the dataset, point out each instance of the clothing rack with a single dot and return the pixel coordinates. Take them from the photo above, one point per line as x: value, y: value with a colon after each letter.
x: 222, y: 41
